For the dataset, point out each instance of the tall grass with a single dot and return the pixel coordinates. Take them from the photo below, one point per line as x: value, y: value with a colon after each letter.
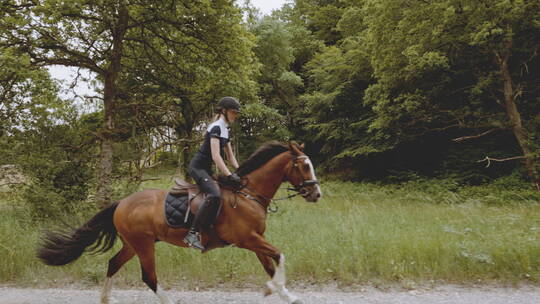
x: 358, y: 233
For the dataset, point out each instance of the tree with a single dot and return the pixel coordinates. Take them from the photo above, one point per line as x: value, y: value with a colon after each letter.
x: 278, y: 84
x: 43, y: 136
x: 333, y: 118
x: 183, y: 78
x: 26, y: 92
x: 451, y: 64
x: 320, y: 17
x: 339, y: 119
x: 96, y: 34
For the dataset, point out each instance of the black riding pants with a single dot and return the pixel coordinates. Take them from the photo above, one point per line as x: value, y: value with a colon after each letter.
x: 200, y: 170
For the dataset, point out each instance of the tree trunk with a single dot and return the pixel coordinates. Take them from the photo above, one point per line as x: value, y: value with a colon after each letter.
x: 104, y: 190
x: 515, y: 118
x: 184, y: 152
x: 185, y: 131
x: 184, y: 166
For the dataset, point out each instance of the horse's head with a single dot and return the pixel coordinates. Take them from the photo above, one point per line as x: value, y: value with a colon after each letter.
x: 301, y: 174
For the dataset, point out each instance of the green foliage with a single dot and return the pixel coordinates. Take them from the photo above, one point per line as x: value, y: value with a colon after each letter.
x: 273, y: 47
x: 278, y: 83
x: 41, y: 135
x: 175, y: 76
x: 59, y: 168
x: 26, y: 92
x: 155, y: 60
x: 334, y: 114
x: 259, y: 124
x: 321, y: 18
x: 167, y: 158
x: 55, y: 151
x: 377, y: 89
x: 398, y: 73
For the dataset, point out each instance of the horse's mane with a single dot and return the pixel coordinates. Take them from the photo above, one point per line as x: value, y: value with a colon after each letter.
x: 261, y: 156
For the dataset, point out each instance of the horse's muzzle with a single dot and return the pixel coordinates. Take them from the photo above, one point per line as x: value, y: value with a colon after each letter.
x: 311, y: 195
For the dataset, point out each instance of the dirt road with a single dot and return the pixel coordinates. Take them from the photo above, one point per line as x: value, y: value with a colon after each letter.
x: 368, y: 295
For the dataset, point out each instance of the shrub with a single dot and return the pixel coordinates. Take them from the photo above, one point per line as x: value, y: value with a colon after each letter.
x: 58, y: 167
x: 56, y: 188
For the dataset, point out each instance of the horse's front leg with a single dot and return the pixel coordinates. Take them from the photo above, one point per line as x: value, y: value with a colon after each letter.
x: 268, y: 254
x: 277, y: 284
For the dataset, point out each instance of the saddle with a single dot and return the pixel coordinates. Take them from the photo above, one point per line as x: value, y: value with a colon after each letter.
x: 182, y: 188
x: 182, y: 202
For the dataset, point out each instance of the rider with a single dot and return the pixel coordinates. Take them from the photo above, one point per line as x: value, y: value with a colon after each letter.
x: 216, y: 141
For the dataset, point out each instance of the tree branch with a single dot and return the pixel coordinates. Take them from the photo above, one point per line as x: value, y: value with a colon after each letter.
x: 66, y: 62
x: 459, y: 139
x: 489, y: 159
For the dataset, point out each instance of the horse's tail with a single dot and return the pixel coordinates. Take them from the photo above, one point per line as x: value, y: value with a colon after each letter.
x: 63, y: 247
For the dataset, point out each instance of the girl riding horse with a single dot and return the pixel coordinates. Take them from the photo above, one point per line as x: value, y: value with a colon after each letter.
x: 216, y: 140
x: 140, y: 222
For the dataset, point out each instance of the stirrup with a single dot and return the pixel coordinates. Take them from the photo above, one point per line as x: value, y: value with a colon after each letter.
x: 192, y: 239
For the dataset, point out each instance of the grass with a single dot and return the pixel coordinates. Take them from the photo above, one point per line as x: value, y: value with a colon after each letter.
x: 357, y: 234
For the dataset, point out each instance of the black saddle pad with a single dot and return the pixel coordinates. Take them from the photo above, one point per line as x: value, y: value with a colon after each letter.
x: 175, y: 211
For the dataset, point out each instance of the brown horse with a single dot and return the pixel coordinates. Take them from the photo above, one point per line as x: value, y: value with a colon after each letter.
x: 140, y: 222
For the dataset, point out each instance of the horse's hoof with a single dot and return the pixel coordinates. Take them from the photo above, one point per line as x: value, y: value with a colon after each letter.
x: 269, y: 288
x: 267, y: 291
x: 110, y: 300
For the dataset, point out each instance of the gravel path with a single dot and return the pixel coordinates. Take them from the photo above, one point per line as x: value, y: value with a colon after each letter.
x: 439, y: 295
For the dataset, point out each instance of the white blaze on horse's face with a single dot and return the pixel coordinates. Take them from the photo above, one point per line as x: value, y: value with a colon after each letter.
x: 317, y: 193
x: 308, y: 186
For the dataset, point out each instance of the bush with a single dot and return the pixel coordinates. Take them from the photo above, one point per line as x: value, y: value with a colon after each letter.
x: 59, y: 170
x: 56, y: 189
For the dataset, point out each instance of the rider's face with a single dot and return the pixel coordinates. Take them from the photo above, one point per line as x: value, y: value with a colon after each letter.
x: 231, y: 115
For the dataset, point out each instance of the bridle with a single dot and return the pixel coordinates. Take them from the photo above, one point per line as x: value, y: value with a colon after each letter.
x: 300, y: 189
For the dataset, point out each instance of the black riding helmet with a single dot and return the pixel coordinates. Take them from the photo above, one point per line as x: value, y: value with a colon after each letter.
x: 229, y: 103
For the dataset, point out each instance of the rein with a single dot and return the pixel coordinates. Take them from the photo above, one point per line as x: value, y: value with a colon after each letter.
x: 269, y: 209
x: 298, y: 189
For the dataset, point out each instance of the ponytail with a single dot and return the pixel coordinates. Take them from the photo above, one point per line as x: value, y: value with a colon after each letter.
x: 219, y: 111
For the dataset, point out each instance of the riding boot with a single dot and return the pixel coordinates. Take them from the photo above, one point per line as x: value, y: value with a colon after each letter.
x: 203, y: 219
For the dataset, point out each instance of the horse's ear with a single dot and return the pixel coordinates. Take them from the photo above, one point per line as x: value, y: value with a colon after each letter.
x: 295, y: 148
x: 302, y: 146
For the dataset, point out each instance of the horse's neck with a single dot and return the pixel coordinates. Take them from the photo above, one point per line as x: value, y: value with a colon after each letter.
x: 267, y: 179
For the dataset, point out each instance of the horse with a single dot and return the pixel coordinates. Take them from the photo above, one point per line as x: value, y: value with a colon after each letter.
x: 139, y: 221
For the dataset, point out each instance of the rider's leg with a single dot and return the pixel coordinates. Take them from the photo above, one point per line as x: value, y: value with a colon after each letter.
x: 203, y: 219
x: 207, y: 211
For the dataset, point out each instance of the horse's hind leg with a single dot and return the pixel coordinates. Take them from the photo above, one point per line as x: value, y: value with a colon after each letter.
x: 146, y: 250
x: 125, y: 254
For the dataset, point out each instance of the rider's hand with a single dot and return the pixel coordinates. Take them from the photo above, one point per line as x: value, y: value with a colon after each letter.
x: 234, y: 180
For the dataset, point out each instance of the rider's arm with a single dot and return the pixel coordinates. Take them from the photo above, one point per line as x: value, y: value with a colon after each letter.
x: 216, y: 156
x: 230, y: 155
